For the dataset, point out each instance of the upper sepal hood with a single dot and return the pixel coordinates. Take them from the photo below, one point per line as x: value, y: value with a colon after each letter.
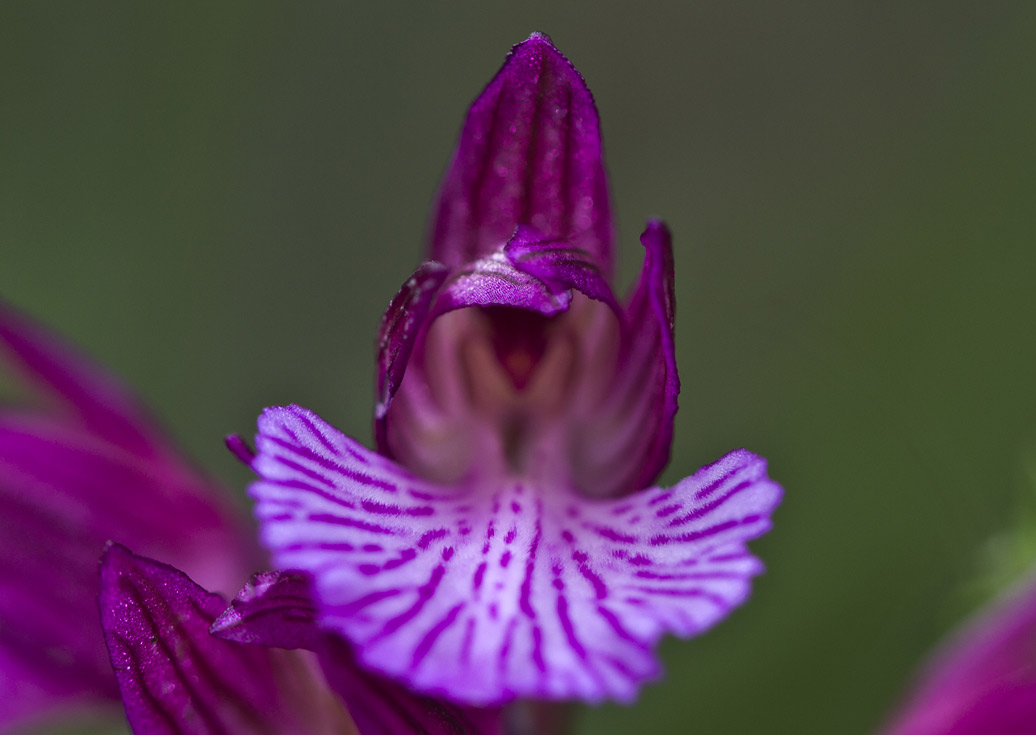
x: 529, y: 153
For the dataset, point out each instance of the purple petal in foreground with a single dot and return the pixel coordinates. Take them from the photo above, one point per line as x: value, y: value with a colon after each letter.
x: 176, y: 679
x: 529, y: 154
x: 485, y: 594
x: 276, y: 609
x: 983, y: 682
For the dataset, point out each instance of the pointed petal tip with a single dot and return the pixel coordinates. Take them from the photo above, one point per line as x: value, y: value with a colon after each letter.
x: 656, y: 226
x: 537, y: 40
x: 114, y: 553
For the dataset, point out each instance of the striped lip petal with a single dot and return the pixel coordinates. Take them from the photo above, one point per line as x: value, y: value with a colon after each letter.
x: 176, y: 679
x: 484, y: 595
x: 529, y: 153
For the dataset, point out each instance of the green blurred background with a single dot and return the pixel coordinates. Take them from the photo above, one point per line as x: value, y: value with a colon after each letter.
x: 219, y: 201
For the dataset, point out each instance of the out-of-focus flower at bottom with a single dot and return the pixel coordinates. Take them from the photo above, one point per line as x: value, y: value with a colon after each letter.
x: 983, y: 679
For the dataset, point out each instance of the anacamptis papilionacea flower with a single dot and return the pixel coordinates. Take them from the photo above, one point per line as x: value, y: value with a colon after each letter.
x: 504, y: 540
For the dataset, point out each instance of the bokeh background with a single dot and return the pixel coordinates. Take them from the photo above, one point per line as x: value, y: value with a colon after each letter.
x: 218, y: 201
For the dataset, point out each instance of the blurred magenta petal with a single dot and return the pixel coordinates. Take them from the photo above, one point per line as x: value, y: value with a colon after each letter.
x: 177, y: 679
x: 983, y: 681
x: 89, y: 469
x: 83, y: 390
x: 485, y: 594
x: 530, y: 153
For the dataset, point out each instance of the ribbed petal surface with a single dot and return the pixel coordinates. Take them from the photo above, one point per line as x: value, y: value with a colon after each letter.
x: 487, y: 594
x: 529, y: 153
x: 176, y: 679
x: 983, y: 682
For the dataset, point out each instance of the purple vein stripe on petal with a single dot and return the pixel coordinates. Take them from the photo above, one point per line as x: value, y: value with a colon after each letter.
x: 529, y: 153
x: 544, y: 609
x: 176, y: 679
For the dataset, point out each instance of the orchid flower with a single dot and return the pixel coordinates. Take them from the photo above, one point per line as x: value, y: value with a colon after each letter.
x: 505, y: 539
x: 81, y: 466
x: 983, y: 680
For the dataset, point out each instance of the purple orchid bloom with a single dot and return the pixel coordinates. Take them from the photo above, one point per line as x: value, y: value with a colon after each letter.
x: 983, y: 681
x: 86, y: 465
x: 505, y: 540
